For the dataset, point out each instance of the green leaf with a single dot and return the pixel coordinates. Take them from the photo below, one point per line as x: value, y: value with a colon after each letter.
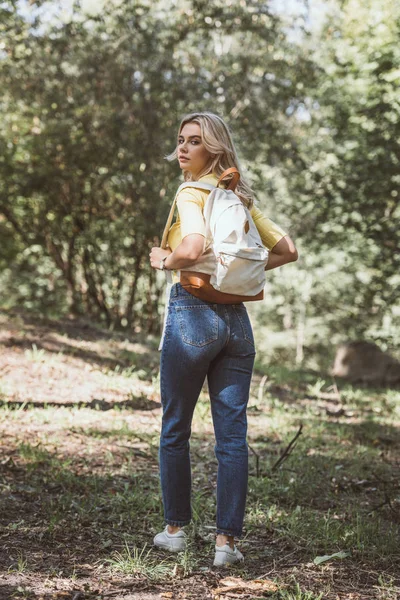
x: 321, y: 559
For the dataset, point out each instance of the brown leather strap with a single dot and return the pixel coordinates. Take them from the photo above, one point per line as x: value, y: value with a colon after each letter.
x: 198, y: 284
x: 235, y: 179
x: 164, y: 239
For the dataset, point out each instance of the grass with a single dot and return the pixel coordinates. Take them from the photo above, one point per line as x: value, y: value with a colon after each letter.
x: 36, y: 354
x: 139, y: 562
x: 20, y: 566
x: 287, y: 503
x: 87, y: 480
x: 297, y: 594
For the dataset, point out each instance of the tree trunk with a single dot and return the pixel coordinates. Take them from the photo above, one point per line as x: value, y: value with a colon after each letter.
x: 94, y: 290
x: 132, y: 297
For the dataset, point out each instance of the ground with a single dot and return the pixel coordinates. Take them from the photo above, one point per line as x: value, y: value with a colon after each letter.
x: 79, y: 489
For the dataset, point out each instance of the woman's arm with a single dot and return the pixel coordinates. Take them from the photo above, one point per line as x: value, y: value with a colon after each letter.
x: 283, y: 252
x: 192, y: 247
x: 184, y: 255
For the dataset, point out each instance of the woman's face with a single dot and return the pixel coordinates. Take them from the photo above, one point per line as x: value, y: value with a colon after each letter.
x: 192, y: 154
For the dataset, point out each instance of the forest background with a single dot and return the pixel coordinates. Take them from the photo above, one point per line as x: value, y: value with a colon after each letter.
x: 92, y: 95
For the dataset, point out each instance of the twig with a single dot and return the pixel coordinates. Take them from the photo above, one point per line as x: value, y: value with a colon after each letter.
x: 336, y: 390
x: 261, y: 388
x: 257, y: 460
x: 285, y: 454
x: 388, y: 500
x: 384, y: 503
x: 136, y: 451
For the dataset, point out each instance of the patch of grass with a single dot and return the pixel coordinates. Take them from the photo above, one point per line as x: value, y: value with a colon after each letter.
x: 34, y: 454
x: 279, y: 374
x: 328, y: 532
x: 22, y: 592
x: 121, y: 432
x: 259, y: 515
x: 139, y: 562
x: 99, y: 502
x: 315, y: 389
x: 295, y: 593
x: 20, y: 566
x: 122, y: 371
x: 147, y: 441
x: 35, y: 354
x: 203, y: 506
x: 187, y: 562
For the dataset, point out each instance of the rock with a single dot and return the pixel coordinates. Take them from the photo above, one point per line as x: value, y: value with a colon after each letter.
x: 365, y: 363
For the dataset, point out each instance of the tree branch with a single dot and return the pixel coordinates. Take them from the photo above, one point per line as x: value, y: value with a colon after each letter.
x: 286, y: 453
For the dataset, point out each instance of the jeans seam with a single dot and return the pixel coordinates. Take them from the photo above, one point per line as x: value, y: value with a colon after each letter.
x: 196, y: 306
x: 246, y: 337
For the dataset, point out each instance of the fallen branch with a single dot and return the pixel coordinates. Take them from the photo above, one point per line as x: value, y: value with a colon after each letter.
x: 257, y: 460
x: 286, y: 453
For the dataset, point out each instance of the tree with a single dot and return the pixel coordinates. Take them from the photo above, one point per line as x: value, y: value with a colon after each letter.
x: 344, y: 202
x: 83, y: 172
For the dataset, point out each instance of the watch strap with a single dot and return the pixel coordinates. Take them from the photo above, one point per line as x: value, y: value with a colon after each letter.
x: 162, y: 263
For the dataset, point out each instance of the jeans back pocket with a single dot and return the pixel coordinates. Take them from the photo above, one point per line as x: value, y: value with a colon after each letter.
x: 198, y: 324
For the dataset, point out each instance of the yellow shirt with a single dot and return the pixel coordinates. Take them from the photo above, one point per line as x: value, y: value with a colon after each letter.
x: 191, y: 201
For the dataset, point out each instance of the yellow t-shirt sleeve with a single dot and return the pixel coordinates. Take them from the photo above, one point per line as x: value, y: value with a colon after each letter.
x: 190, y: 208
x: 269, y: 231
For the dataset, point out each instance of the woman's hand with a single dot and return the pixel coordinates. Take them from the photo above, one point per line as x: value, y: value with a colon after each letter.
x: 157, y: 254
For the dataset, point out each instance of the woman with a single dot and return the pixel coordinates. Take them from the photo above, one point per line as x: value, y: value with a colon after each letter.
x: 206, y: 340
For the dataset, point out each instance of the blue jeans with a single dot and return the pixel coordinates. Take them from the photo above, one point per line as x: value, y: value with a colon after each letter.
x: 214, y: 341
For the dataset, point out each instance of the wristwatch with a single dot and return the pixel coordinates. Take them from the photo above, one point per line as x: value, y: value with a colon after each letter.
x: 162, y: 263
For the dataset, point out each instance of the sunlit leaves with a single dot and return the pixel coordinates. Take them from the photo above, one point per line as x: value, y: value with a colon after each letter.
x: 93, y: 101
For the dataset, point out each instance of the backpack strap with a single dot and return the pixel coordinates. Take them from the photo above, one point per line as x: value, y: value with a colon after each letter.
x: 200, y: 186
x: 168, y: 225
x: 235, y: 178
x: 188, y: 184
x: 196, y: 184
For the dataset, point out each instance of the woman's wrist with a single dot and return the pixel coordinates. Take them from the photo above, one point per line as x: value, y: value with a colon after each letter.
x: 166, y: 265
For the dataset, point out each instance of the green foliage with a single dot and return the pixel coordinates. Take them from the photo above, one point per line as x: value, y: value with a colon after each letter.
x: 346, y: 208
x: 92, y: 99
x: 83, y: 175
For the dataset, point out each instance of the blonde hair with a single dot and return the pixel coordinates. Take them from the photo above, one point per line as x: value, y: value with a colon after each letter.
x: 217, y: 139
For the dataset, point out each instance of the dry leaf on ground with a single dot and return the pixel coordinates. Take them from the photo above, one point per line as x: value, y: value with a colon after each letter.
x: 235, y: 584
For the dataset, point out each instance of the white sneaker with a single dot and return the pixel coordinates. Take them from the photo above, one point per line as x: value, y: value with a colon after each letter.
x: 174, y: 542
x: 224, y: 555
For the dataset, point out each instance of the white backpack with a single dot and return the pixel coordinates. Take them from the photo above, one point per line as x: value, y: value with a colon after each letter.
x: 240, y: 257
